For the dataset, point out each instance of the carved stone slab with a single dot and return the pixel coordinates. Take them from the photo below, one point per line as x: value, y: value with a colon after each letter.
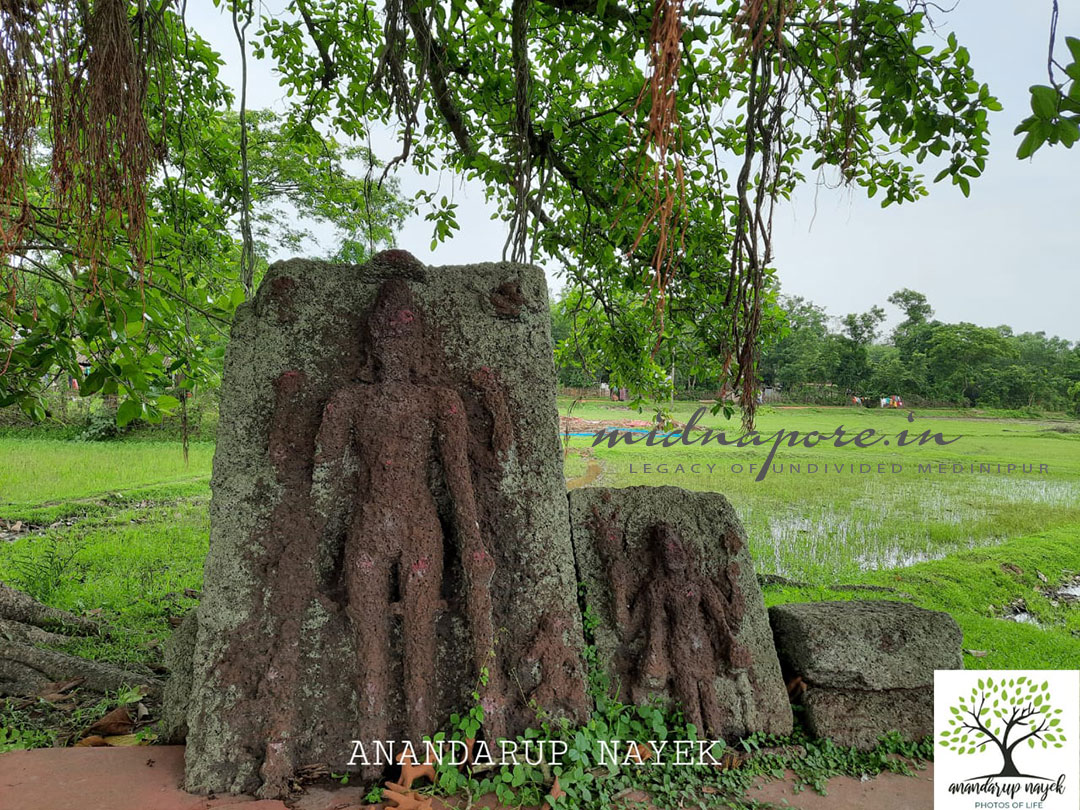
x: 668, y: 577
x: 388, y: 516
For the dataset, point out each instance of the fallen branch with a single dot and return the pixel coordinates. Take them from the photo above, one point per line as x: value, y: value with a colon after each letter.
x: 17, y: 606
x: 26, y: 669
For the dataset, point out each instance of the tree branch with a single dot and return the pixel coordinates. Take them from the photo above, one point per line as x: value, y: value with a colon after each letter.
x: 591, y: 8
x: 329, y: 71
x: 437, y: 74
x: 1035, y: 733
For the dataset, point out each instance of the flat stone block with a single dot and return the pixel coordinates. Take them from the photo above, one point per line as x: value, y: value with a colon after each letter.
x: 865, y: 644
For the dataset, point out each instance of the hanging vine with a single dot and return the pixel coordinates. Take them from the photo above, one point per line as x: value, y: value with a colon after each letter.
x: 660, y: 155
x: 247, y: 242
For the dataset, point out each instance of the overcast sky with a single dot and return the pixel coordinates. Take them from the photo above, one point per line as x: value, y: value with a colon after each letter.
x: 1009, y: 254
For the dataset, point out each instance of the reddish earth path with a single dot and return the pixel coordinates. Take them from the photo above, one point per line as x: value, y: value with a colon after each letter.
x: 146, y: 778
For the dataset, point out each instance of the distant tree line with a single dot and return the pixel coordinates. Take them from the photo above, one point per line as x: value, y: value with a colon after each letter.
x: 813, y: 357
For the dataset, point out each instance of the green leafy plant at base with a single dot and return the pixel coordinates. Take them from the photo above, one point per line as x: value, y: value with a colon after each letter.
x: 590, y: 783
x: 40, y: 571
x: 13, y: 738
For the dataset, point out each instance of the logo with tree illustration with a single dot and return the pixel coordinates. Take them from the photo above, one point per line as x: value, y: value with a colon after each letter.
x: 1004, y: 717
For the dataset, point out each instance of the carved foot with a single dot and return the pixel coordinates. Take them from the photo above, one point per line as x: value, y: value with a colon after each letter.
x: 405, y: 800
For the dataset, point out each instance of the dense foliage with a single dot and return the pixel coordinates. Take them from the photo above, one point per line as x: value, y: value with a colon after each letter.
x: 818, y: 358
x: 126, y: 284
x: 641, y: 145
x: 925, y: 360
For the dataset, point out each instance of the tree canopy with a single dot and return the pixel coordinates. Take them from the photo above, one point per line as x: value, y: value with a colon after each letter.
x: 640, y: 146
x: 923, y: 360
x: 122, y: 270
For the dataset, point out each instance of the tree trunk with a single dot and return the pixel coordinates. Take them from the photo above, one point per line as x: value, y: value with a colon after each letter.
x: 1008, y: 768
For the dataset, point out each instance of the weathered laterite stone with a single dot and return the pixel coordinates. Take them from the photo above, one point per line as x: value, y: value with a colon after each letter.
x: 866, y: 667
x: 668, y: 576
x: 865, y: 644
x: 388, y: 520
x: 859, y: 718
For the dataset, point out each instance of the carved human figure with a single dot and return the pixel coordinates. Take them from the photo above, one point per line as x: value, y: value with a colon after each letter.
x: 381, y: 438
x: 561, y: 684
x: 690, y: 624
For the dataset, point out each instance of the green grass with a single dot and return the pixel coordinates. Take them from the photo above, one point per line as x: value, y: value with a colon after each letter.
x: 825, y: 526
x: 128, y: 568
x: 125, y: 532
x: 48, y: 478
x: 129, y: 534
x: 977, y: 587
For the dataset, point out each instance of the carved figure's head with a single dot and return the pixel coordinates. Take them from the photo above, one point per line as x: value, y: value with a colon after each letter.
x: 395, y: 331
x: 668, y: 549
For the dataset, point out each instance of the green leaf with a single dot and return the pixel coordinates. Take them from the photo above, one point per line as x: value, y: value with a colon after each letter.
x: 1073, y: 44
x: 92, y: 383
x: 1028, y: 146
x: 129, y: 409
x: 1068, y: 131
x: 1044, y: 101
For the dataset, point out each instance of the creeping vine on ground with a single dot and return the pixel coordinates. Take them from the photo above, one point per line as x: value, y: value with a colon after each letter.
x: 589, y: 784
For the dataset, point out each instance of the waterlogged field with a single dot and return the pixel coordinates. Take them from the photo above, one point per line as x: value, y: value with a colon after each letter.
x: 825, y: 513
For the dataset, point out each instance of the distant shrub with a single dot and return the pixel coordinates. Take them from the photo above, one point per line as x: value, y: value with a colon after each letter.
x: 100, y: 427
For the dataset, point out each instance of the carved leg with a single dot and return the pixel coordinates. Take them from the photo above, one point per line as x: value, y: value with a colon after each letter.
x: 279, y: 763
x: 367, y: 582
x: 686, y: 690
x: 278, y: 685
x: 714, y: 717
x: 481, y: 627
x: 654, y: 662
x: 420, y: 594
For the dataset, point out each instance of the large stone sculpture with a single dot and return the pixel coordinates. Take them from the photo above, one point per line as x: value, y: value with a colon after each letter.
x: 679, y: 612
x: 388, y: 521
x: 378, y: 440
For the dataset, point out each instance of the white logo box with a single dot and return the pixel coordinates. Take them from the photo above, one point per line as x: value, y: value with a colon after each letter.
x: 1007, y: 739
